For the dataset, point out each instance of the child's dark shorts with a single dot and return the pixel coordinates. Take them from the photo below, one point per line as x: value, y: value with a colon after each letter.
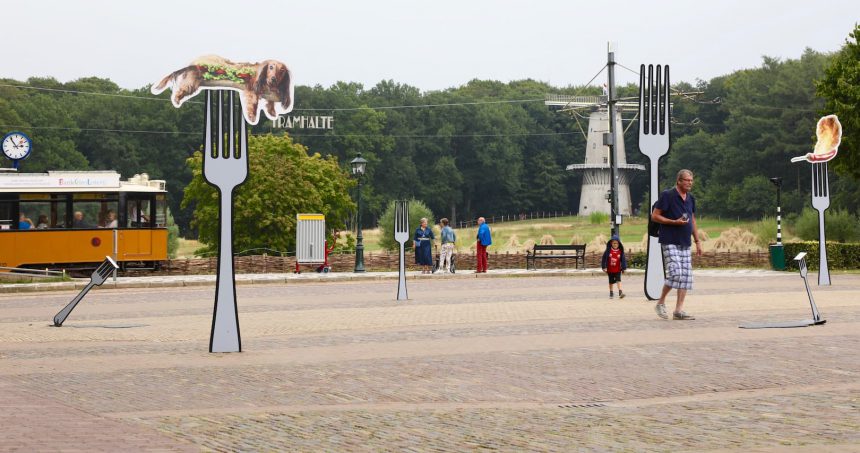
x: 614, y: 277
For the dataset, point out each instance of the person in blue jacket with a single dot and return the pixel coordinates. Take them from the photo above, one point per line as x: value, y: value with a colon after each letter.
x: 424, y: 246
x: 484, y: 241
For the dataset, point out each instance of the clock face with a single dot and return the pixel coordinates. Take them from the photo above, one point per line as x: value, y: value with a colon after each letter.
x: 16, y: 145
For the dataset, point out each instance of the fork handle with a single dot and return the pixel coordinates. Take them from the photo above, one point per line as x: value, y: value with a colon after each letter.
x: 823, y: 270
x: 225, y: 320
x: 60, y: 318
x: 654, y: 272
x: 401, y: 281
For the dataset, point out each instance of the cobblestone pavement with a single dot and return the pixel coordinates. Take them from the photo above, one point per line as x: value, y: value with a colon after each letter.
x: 545, y: 363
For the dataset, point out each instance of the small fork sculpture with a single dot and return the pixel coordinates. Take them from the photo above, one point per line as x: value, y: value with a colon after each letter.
x: 654, y: 115
x: 401, y: 235
x: 99, y: 276
x: 821, y: 201
x: 225, y: 168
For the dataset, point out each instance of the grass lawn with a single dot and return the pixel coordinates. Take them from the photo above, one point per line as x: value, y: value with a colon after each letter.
x: 514, y: 236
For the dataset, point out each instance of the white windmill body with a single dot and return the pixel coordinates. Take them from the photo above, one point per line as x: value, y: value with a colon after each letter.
x: 596, y: 171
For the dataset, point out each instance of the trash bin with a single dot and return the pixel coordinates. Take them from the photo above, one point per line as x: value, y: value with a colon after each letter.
x: 777, y: 257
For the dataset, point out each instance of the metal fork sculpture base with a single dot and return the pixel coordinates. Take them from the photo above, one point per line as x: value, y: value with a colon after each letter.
x: 816, y: 316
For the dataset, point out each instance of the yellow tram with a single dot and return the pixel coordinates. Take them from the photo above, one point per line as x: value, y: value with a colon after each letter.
x: 73, y: 219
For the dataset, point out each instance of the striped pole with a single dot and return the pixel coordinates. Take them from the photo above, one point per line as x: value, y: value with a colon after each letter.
x: 777, y: 181
x: 778, y: 226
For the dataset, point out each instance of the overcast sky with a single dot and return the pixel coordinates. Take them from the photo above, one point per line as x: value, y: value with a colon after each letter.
x: 431, y: 45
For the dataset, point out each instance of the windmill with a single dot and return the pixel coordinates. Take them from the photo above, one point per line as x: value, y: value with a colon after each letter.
x: 595, y: 195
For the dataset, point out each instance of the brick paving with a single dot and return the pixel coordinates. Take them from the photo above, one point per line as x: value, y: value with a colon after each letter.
x: 544, y: 363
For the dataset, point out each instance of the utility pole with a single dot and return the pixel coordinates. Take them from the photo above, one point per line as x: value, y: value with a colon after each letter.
x: 609, y: 140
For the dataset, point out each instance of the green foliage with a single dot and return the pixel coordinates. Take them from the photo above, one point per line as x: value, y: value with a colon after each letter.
x: 345, y: 246
x: 283, y: 181
x: 765, y: 231
x: 417, y: 210
x: 598, y: 218
x: 751, y: 198
x: 840, y: 225
x: 172, y: 236
x: 840, y: 86
x: 637, y: 260
x: 839, y: 256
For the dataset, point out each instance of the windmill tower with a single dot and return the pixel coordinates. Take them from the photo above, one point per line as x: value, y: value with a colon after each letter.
x: 596, y: 171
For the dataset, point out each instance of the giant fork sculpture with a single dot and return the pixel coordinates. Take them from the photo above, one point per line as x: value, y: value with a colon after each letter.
x: 821, y: 201
x: 654, y: 131
x: 401, y: 235
x: 225, y: 168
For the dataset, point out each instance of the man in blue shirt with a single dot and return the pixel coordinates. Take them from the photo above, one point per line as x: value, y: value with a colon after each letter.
x: 675, y: 212
x: 484, y: 241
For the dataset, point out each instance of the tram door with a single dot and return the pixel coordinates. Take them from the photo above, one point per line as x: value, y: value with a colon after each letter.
x: 136, y: 241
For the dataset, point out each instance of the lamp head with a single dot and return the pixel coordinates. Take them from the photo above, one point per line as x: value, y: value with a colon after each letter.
x: 777, y: 181
x: 359, y: 165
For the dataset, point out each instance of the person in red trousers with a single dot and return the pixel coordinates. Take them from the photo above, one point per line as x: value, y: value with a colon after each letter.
x: 484, y: 241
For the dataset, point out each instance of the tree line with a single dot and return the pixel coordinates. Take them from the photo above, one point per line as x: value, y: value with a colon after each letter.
x: 479, y: 149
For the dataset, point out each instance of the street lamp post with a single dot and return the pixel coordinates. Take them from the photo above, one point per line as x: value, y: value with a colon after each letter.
x: 359, y: 165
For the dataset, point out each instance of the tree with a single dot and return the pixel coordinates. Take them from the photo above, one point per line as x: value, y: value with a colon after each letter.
x: 417, y: 210
x: 283, y: 180
x: 840, y: 87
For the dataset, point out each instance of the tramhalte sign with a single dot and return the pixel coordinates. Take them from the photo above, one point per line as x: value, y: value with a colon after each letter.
x: 304, y: 122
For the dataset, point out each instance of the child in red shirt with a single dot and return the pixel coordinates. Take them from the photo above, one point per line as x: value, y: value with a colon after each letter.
x: 614, y: 263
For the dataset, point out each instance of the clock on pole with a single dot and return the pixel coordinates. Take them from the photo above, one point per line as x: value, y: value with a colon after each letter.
x: 17, y: 146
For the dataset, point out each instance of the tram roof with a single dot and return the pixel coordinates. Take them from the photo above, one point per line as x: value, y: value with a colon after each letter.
x: 77, y: 181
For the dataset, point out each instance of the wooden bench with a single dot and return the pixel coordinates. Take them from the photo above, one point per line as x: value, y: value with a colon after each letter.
x: 556, y: 251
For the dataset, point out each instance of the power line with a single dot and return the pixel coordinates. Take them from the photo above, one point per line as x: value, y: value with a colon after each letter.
x: 83, y: 129
x: 595, y: 76
x: 392, y: 107
x: 524, y: 134
x: 90, y: 93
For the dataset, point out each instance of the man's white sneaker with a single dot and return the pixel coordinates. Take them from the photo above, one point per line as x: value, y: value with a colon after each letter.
x: 661, y: 311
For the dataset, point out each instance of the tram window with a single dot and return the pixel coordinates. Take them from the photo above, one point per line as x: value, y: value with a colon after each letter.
x: 6, y: 215
x: 93, y: 214
x: 45, y: 212
x: 138, y: 213
x: 160, y: 211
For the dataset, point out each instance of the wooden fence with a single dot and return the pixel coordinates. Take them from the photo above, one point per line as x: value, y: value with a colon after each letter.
x: 382, y: 261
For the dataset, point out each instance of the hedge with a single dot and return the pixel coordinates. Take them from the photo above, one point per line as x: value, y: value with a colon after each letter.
x: 839, y: 255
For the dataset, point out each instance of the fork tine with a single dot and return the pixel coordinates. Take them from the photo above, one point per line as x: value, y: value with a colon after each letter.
x: 220, y: 139
x: 818, y: 180
x: 231, y: 139
x: 650, y: 103
x: 667, y: 113
x: 396, y: 216
x: 243, y: 135
x: 655, y: 98
x: 643, y: 116
x: 207, y: 146
x: 825, y: 188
